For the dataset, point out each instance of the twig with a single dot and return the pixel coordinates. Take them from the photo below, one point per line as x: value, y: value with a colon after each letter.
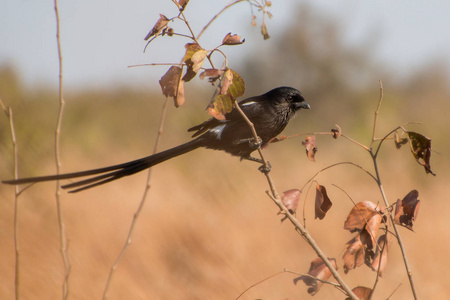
x: 383, y: 194
x: 9, y: 115
x: 298, y: 226
x: 62, y: 231
x: 140, y: 207
x: 216, y: 16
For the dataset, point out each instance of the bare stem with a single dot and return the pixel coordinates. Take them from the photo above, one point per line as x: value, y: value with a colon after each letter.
x: 298, y: 226
x: 376, y: 115
x: 140, y: 207
x: 9, y: 115
x: 62, y: 231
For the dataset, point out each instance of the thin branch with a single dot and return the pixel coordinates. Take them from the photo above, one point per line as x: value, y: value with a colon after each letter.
x: 62, y: 231
x: 140, y: 207
x: 376, y: 115
x: 298, y: 226
x: 338, y: 164
x: 216, y: 16
x: 9, y: 115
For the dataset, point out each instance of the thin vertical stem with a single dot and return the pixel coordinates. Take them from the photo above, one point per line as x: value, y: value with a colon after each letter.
x: 140, y: 207
x: 9, y: 114
x: 62, y: 230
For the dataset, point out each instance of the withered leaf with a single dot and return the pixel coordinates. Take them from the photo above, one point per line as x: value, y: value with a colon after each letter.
x: 194, y: 58
x: 158, y: 27
x: 221, y: 105
x: 213, y: 74
x: 372, y: 226
x: 178, y: 99
x: 355, y: 255
x: 232, y: 39
x: 360, y: 215
x: 182, y: 4
x: 290, y: 199
x: 318, y: 270
x: 406, y: 210
x: 310, y: 145
x: 381, y: 254
x: 237, y: 88
x: 170, y: 81
x: 264, y: 31
x: 336, y: 132
x: 227, y: 81
x: 421, y: 149
x: 399, y: 142
x: 362, y: 292
x: 323, y: 203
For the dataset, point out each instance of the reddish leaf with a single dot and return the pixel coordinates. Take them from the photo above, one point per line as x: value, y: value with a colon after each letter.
x: 232, y: 39
x: 213, y: 74
x: 179, y: 97
x: 227, y: 81
x: 182, y: 4
x: 360, y: 215
x: 170, y: 81
x: 158, y: 27
x: 354, y: 255
x: 310, y: 145
x: 421, y: 149
x: 323, y: 203
x: 372, y: 226
x: 406, y: 210
x: 336, y: 132
x: 290, y: 199
x: 318, y: 270
x: 278, y: 138
x: 362, y: 292
x: 380, y: 259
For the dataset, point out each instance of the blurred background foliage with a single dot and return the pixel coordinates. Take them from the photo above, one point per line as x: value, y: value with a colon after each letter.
x: 209, y: 231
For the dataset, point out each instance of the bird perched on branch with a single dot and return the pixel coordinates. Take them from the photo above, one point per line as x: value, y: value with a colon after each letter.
x: 269, y: 113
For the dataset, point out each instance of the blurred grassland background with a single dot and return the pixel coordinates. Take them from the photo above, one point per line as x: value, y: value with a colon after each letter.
x: 208, y: 230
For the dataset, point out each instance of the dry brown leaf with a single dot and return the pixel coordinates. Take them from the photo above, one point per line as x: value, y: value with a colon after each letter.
x: 360, y: 215
x: 355, y: 254
x: 379, y: 262
x: 170, y: 81
x: 158, y: 27
x: 178, y: 99
x: 232, y: 39
x: 421, y: 149
x: 213, y: 74
x: 406, y: 210
x: 264, y: 31
x: 310, y: 145
x: 227, y: 81
x: 362, y: 292
x: 323, y: 203
x: 372, y: 226
x: 290, y: 199
x: 182, y: 4
x: 318, y: 270
x: 336, y: 132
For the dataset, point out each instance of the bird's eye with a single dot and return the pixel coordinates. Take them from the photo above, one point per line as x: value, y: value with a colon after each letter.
x: 290, y: 98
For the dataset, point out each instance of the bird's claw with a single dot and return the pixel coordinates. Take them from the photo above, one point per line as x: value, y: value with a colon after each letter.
x: 255, y: 144
x: 265, y: 169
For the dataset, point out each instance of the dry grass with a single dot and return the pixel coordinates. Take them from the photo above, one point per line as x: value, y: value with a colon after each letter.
x: 209, y: 232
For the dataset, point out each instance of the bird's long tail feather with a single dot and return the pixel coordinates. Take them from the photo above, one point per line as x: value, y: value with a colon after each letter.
x: 111, y: 173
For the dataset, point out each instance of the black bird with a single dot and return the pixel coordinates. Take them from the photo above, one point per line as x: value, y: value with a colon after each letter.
x: 269, y: 113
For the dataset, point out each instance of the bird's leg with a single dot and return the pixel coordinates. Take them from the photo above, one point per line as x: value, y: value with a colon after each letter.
x: 263, y: 168
x: 253, y: 144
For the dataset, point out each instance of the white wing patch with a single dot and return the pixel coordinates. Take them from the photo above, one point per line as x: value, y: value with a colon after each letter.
x: 217, y: 131
x: 248, y: 103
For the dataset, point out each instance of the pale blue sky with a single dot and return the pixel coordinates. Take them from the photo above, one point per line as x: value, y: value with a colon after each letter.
x: 100, y: 38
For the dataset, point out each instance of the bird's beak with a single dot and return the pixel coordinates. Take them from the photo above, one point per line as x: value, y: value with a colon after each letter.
x: 303, y: 105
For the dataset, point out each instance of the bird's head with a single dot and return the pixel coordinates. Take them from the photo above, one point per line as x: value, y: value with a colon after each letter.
x: 288, y: 99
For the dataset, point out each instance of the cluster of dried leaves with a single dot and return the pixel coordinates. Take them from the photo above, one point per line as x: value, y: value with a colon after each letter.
x: 367, y: 247
x: 231, y: 85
